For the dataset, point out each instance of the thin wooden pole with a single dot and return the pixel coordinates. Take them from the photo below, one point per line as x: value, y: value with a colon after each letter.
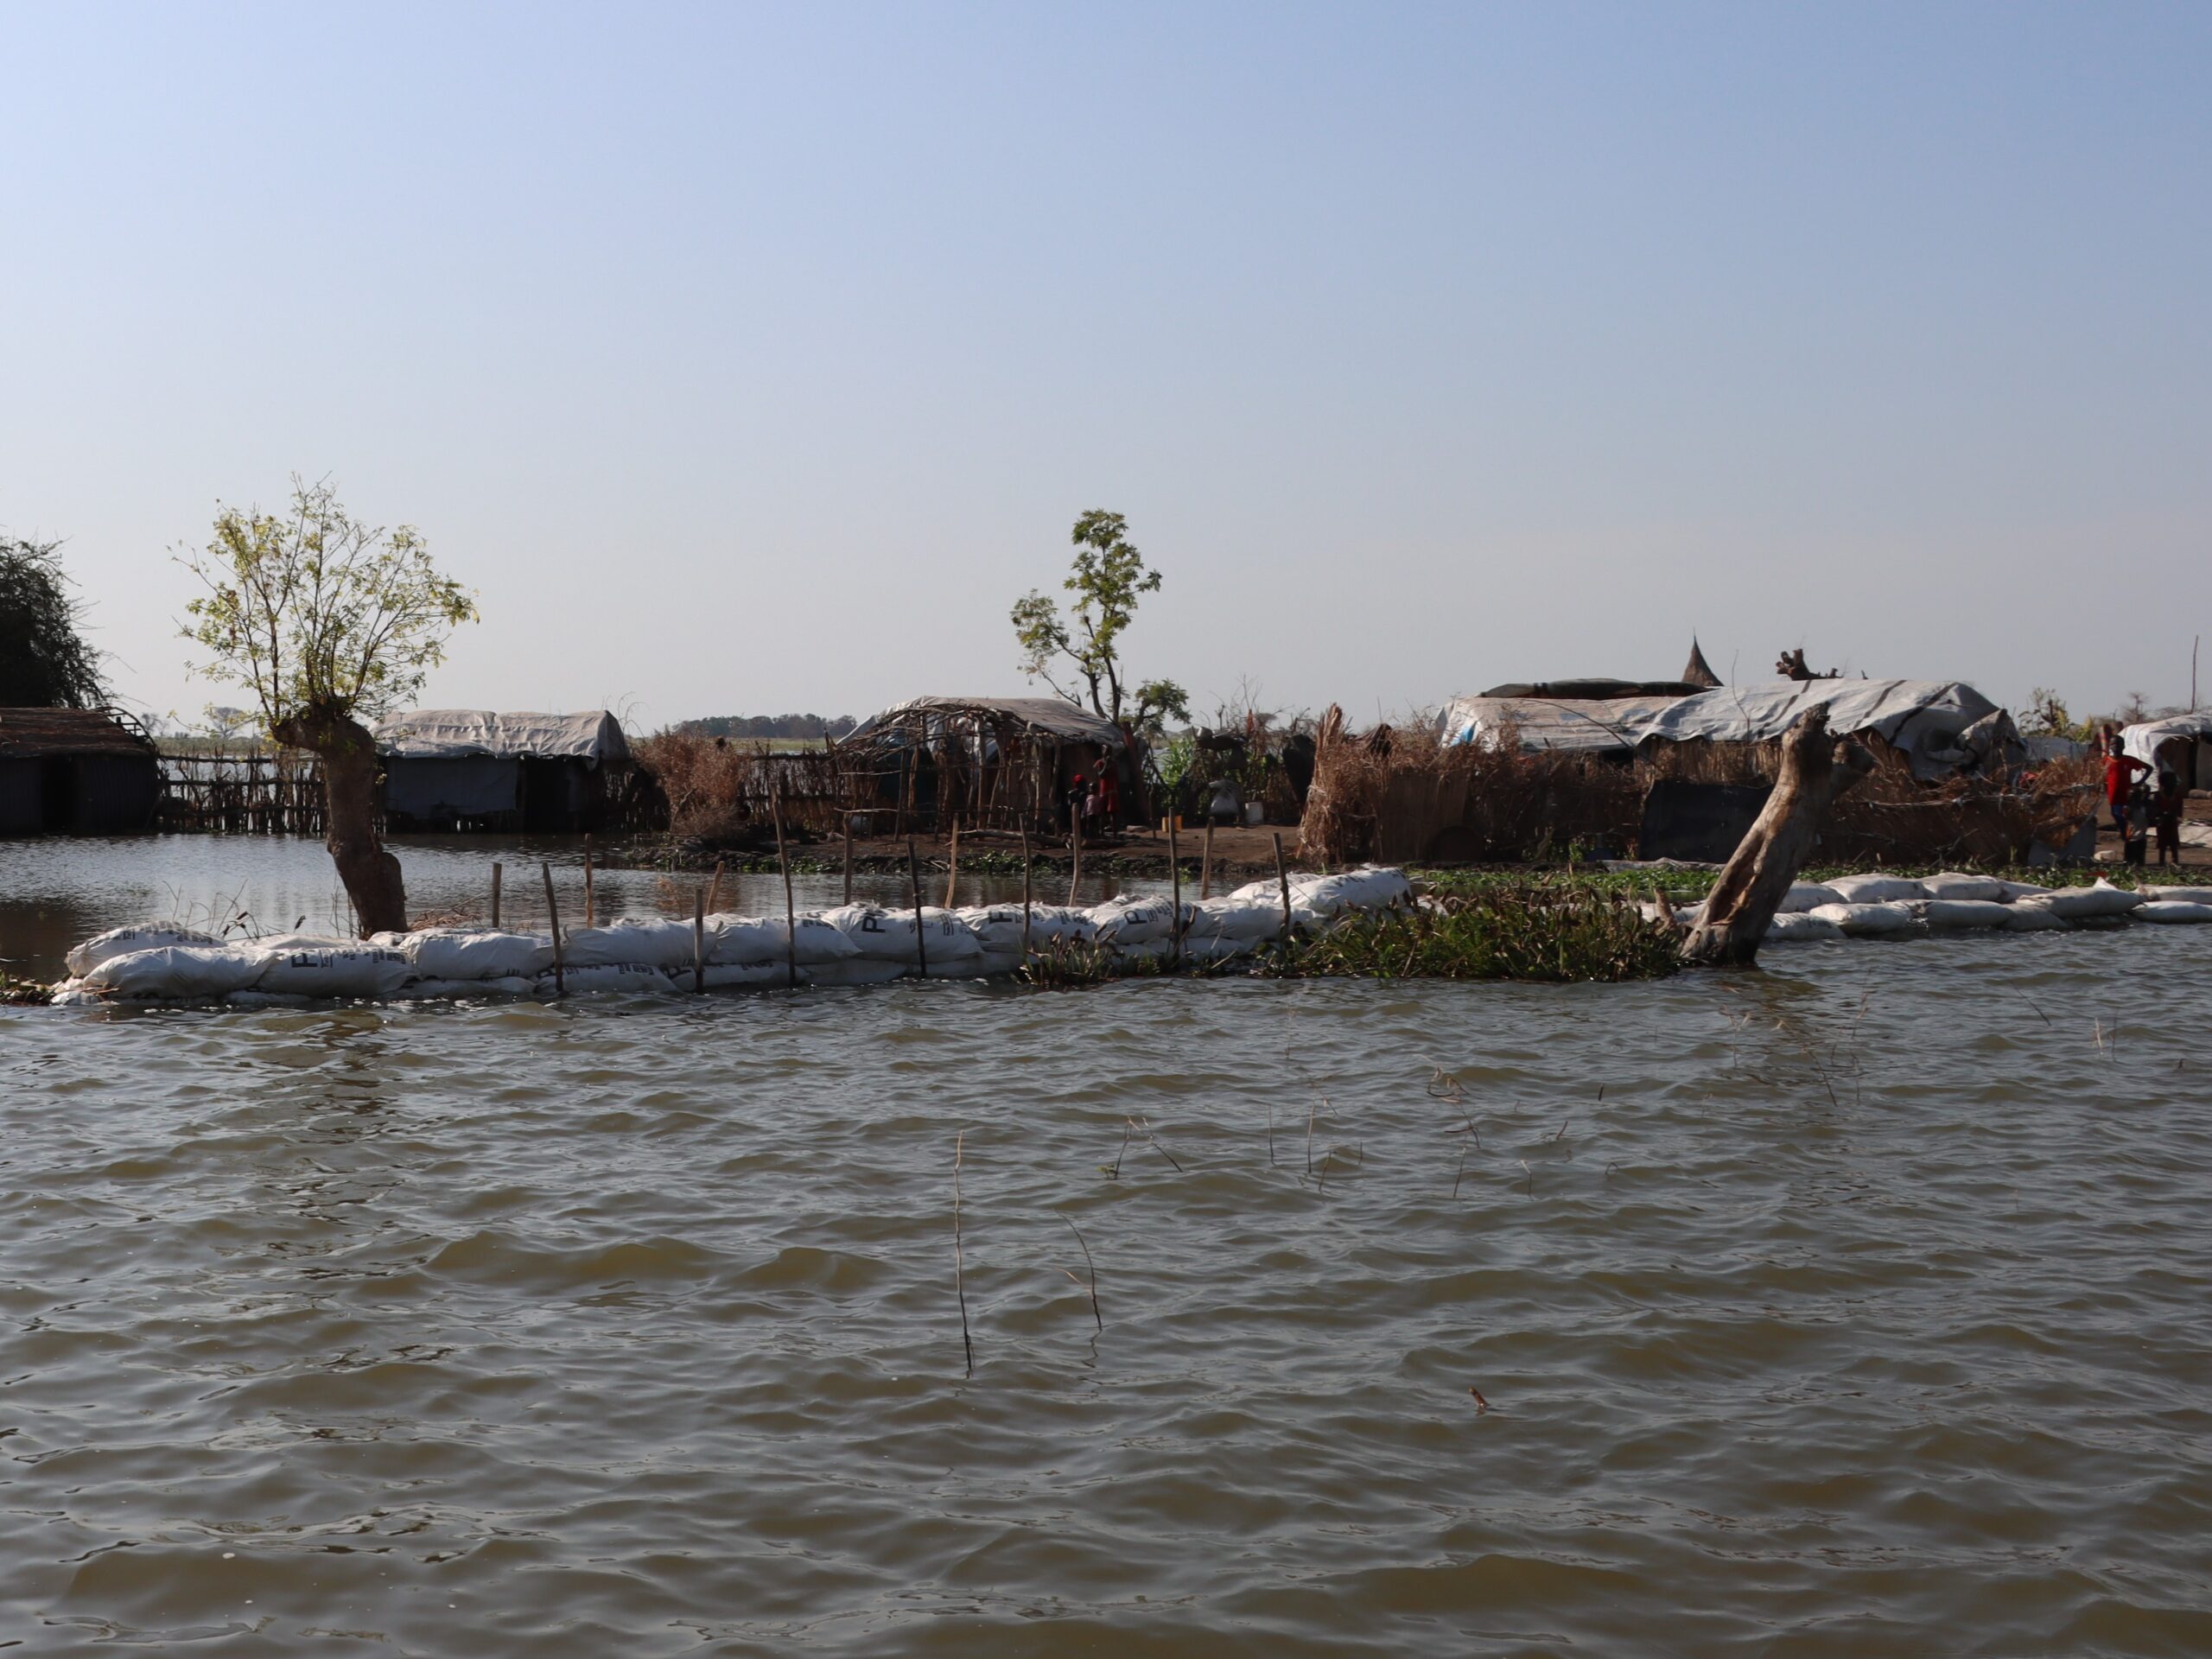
x: 1283, y: 876
x: 1075, y: 852
x: 914, y: 887
x: 553, y: 913
x: 715, y: 893
x: 952, y: 869
x: 698, y: 940
x: 790, y: 921
x: 1205, y: 862
x: 1025, y: 889
x: 591, y: 907
x: 849, y: 858
x: 1175, y: 916
x: 495, y: 891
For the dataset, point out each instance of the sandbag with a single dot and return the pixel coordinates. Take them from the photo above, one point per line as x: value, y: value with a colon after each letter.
x: 1068, y: 923
x: 2173, y: 910
x: 123, y: 941
x: 323, y: 970
x: 1239, y: 921
x: 259, y: 999
x: 994, y: 964
x: 75, y: 993
x: 639, y: 978
x: 1805, y: 895
x: 1801, y: 927
x: 447, y: 990
x: 180, y: 971
x: 1858, y: 920
x: 652, y: 942
x: 997, y: 928
x: 1368, y: 887
x: 740, y: 940
x: 2178, y: 895
x: 857, y: 970
x: 1875, y: 889
x: 474, y: 953
x: 2032, y: 917
x: 1126, y: 922
x: 1957, y: 884
x: 888, y: 935
x: 745, y: 976
x: 2078, y: 904
x: 1952, y: 915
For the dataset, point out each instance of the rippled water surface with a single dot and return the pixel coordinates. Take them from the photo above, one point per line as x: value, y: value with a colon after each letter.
x: 1859, y: 1307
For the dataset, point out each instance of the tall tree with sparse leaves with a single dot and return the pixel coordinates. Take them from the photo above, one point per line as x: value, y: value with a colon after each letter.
x: 329, y: 623
x: 44, y: 661
x: 1108, y: 578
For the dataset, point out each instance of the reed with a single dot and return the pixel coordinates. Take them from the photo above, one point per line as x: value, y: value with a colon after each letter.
x: 1090, y: 1267
x: 959, y: 1262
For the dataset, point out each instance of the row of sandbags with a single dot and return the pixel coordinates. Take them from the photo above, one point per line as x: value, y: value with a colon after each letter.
x: 1871, y: 906
x: 854, y: 944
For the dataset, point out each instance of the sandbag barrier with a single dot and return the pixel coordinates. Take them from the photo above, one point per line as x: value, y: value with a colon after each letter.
x: 854, y: 944
x: 1867, y: 907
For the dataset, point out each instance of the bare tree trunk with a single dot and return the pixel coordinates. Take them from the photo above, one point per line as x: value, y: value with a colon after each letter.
x: 1816, y: 769
x: 349, y: 751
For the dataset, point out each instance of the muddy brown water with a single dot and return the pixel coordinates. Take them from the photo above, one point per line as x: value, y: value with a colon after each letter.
x: 1865, y: 1311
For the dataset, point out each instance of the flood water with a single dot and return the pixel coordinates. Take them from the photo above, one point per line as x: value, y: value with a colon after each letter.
x: 1854, y: 1307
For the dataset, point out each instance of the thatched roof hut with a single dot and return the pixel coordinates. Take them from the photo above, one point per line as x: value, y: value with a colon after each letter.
x: 76, y: 772
x: 988, y: 762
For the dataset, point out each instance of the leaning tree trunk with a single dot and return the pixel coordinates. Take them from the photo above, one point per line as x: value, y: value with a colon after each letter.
x: 1816, y: 769
x: 348, y: 753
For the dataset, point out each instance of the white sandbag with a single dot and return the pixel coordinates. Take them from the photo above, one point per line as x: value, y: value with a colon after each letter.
x: 1801, y: 927
x: 1368, y: 887
x: 2077, y: 904
x: 278, y: 942
x: 474, y: 953
x: 1875, y: 889
x: 122, y: 941
x: 1125, y: 922
x: 2016, y: 891
x: 956, y: 967
x: 1147, y: 951
x: 746, y: 939
x: 1954, y: 915
x: 326, y: 969
x: 179, y: 970
x: 1689, y: 915
x: 1238, y: 920
x: 888, y: 935
x: 1957, y: 884
x: 2178, y: 895
x: 75, y: 993
x: 2173, y: 910
x: 743, y: 976
x: 258, y: 999
x: 1859, y: 920
x: 1069, y: 922
x: 997, y: 928
x: 2031, y: 916
x: 653, y: 941
x: 1805, y: 895
x: 857, y: 970
x: 639, y: 978
x: 1218, y: 949
x: 450, y: 990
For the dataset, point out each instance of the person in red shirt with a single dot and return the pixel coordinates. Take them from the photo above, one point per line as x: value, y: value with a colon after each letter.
x: 2120, y: 769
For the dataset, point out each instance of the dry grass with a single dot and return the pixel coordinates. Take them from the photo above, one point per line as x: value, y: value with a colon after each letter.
x: 721, y: 792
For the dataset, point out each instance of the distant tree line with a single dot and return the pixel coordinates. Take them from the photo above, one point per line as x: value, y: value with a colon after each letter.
x: 753, y: 726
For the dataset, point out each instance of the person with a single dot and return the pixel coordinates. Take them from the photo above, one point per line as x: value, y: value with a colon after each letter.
x: 1109, y: 796
x: 2121, y: 770
x: 1075, y: 802
x: 2165, y: 817
x: 2137, y: 833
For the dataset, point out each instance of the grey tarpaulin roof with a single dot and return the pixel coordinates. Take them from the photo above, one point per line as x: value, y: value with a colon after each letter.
x: 449, y: 733
x: 1940, y: 725
x: 2142, y: 740
x: 1051, y: 715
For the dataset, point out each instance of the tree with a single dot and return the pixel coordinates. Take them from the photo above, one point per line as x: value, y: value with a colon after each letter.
x: 328, y: 623
x: 1108, y: 577
x: 44, y: 661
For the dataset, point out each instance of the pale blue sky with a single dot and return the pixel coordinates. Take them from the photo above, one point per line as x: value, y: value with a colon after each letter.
x: 751, y: 360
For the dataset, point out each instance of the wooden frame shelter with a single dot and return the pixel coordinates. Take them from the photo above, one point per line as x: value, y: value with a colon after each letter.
x: 987, y: 763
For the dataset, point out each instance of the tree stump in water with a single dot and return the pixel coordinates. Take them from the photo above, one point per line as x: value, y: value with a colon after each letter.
x: 1816, y: 769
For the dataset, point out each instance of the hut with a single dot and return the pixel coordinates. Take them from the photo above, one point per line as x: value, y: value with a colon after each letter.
x: 76, y: 772
x: 474, y: 770
x: 986, y: 762
x: 2181, y: 744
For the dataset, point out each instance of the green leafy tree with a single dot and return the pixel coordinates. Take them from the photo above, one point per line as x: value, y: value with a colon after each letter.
x: 1108, y: 578
x: 44, y: 661
x: 328, y: 623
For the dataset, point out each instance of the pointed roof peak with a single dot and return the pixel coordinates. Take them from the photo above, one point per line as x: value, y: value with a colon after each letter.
x: 1699, y: 672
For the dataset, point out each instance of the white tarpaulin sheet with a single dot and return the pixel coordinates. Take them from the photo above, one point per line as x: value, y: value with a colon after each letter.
x: 1047, y: 714
x: 2142, y: 741
x: 1940, y: 725
x: 594, y: 736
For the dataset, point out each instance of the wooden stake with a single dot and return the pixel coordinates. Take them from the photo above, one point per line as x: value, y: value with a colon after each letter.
x: 914, y: 887
x: 1025, y: 889
x: 953, y: 871
x: 495, y: 892
x: 715, y: 893
x: 790, y: 921
x: 553, y: 912
x: 849, y: 858
x: 1175, y: 916
x: 1075, y: 858
x: 1205, y: 862
x: 698, y: 940
x: 591, y: 907
x: 1283, y: 876
x: 959, y: 1268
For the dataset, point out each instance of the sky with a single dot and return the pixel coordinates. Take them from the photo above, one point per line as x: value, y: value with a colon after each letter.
x: 749, y: 359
